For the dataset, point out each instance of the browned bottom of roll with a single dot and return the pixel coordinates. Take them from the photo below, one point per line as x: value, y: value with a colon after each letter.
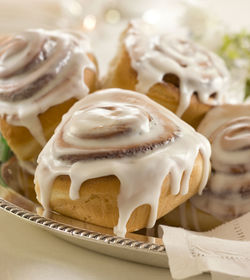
x: 98, y: 199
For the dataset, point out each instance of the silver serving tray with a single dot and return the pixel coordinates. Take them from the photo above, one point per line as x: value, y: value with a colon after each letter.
x: 139, y: 248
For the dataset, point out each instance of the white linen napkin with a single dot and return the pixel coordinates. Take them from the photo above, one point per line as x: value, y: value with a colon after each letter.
x: 223, y: 251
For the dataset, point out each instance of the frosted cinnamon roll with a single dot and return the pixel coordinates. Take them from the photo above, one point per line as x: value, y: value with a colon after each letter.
x: 42, y: 73
x: 175, y: 72
x: 227, y: 194
x: 120, y: 160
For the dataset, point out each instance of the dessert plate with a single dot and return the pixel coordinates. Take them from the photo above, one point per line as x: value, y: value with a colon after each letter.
x: 138, y: 247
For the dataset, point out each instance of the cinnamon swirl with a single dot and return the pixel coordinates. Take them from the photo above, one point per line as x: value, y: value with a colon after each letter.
x: 42, y: 73
x: 120, y: 160
x: 227, y: 194
x: 175, y: 72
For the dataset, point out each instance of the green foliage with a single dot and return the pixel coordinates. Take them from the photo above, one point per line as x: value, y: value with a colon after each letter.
x: 236, y: 47
x: 5, y: 154
x: 247, y: 88
x: 5, y: 151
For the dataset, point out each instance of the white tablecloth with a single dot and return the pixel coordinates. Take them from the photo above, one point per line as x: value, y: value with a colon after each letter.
x: 30, y: 253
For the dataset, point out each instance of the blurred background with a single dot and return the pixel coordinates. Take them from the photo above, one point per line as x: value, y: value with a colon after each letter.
x: 103, y: 20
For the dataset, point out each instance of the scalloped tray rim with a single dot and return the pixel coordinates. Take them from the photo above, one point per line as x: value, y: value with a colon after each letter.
x: 65, y: 229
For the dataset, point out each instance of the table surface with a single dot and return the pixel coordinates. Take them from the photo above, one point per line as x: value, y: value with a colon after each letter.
x: 26, y: 250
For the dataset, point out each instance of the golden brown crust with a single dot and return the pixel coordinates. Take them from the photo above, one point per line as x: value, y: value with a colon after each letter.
x: 122, y: 75
x: 21, y: 141
x: 169, y: 96
x: 19, y: 138
x: 98, y: 199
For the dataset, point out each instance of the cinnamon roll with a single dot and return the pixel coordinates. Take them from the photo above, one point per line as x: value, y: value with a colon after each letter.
x: 175, y: 72
x: 120, y: 160
x: 227, y: 194
x: 42, y: 73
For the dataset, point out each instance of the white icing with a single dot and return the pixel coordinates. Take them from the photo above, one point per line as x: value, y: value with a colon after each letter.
x: 199, y: 70
x: 141, y: 174
x: 60, y: 55
x: 228, y: 129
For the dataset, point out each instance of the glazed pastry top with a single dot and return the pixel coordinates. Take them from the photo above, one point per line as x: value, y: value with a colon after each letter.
x: 227, y: 194
x: 123, y: 133
x: 198, y: 70
x: 40, y: 69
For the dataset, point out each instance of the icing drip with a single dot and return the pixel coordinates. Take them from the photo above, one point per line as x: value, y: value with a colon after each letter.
x: 198, y: 70
x: 122, y: 133
x: 40, y: 69
x: 227, y: 194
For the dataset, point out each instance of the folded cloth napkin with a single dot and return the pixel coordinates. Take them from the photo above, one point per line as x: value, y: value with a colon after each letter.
x: 223, y: 251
